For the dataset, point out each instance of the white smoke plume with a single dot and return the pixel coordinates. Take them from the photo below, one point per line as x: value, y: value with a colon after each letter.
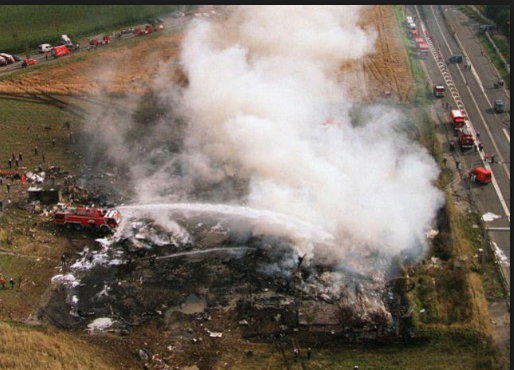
x: 261, y: 89
x: 264, y: 103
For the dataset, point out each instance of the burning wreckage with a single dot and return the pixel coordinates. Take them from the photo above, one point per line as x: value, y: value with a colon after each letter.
x: 186, y: 262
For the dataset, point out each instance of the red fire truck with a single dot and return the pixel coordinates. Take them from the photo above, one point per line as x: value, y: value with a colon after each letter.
x: 79, y: 218
x: 481, y: 175
x: 465, y: 138
x: 60, y: 51
x: 458, y: 119
x: 423, y: 50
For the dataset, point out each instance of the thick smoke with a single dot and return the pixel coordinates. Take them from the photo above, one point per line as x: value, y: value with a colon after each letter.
x: 264, y: 103
x: 261, y: 91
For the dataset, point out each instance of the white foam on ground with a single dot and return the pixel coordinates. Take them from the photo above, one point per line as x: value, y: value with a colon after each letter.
x: 100, y: 324
x: 500, y: 255
x: 490, y: 217
x: 68, y: 280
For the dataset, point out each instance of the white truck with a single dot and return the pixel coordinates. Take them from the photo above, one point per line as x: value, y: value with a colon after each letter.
x: 45, y: 48
x: 66, y: 40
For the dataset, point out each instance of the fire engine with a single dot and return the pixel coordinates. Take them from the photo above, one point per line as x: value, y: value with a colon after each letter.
x: 79, y: 218
x: 481, y: 175
x: 458, y: 119
x: 423, y: 50
x: 465, y: 138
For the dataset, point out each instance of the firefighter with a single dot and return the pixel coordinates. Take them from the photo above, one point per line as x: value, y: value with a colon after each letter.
x: 11, y: 283
x: 8, y: 188
x: 152, y: 260
x: 452, y: 146
x: 53, y: 143
x: 20, y: 156
x: 309, y: 354
x: 296, y: 354
x: 35, y: 151
x: 473, y: 177
x: 9, y: 162
x: 43, y: 158
x: 63, y: 260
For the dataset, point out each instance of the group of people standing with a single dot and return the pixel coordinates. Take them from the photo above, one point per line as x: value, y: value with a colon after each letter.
x: 2, y: 283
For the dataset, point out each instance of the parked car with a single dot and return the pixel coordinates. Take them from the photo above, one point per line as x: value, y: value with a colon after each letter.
x: 17, y: 58
x: 499, y: 106
x: 455, y: 59
x: 45, y: 48
x: 9, y: 58
x: 3, y: 62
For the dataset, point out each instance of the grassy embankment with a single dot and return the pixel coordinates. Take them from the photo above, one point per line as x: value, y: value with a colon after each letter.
x: 25, y: 347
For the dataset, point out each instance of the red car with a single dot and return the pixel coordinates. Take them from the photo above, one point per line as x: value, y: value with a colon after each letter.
x: 28, y: 62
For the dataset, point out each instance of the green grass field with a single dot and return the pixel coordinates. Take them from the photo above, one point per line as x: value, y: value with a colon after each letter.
x: 27, y: 123
x: 446, y: 354
x: 26, y: 26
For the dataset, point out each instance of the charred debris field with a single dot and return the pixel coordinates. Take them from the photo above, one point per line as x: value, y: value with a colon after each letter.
x: 236, y: 202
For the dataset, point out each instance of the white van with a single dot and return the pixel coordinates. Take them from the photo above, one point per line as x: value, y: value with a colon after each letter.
x: 413, y: 27
x: 66, y: 40
x: 45, y: 48
x: 410, y: 20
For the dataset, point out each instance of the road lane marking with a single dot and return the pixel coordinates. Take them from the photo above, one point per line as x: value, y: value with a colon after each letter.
x: 460, y: 103
x: 496, y: 148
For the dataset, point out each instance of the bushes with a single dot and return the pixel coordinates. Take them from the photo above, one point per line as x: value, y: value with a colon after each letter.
x: 500, y: 14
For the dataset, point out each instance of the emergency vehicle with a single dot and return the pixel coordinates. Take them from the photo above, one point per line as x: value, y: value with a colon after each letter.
x: 466, y: 139
x: 418, y: 40
x: 60, y: 51
x: 481, y: 175
x: 423, y: 50
x: 458, y: 119
x: 439, y: 91
x: 79, y: 218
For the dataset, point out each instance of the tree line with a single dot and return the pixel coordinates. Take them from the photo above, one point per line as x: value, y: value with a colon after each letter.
x: 500, y: 14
